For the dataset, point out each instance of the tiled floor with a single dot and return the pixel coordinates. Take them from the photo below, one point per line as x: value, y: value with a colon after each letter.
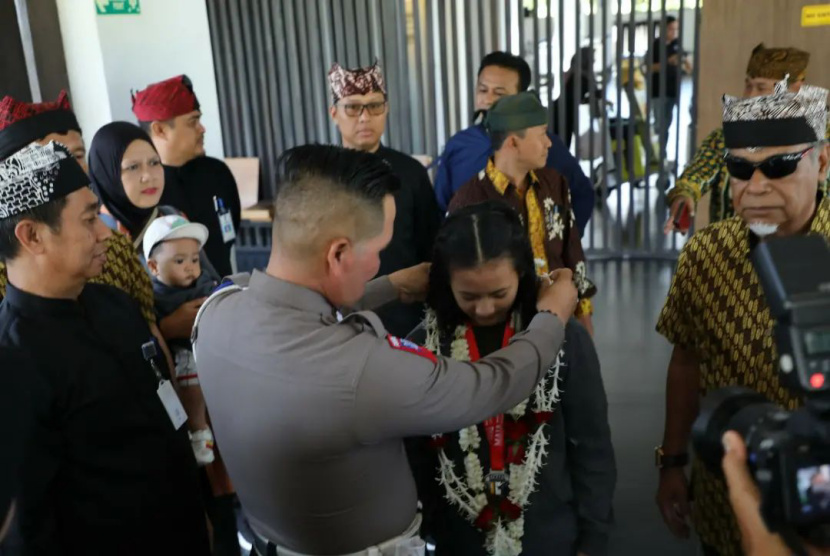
x: 634, y: 361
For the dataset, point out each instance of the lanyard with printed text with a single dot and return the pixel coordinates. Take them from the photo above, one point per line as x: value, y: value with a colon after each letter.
x: 494, y: 426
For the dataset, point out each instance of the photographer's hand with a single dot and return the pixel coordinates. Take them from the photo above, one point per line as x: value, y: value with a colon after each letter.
x: 746, y: 502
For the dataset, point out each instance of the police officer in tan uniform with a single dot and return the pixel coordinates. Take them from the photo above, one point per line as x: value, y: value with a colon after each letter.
x: 311, y: 407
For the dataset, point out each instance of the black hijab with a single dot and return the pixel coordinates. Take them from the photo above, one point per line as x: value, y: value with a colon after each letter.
x: 105, y: 156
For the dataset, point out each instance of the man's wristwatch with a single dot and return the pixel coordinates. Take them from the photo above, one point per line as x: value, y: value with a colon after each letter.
x: 665, y: 461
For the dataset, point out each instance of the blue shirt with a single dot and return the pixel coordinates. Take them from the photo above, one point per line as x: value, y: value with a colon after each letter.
x: 466, y: 155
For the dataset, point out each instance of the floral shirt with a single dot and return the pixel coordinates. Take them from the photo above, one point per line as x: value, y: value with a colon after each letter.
x: 707, y: 172
x: 716, y: 308
x: 122, y: 270
x: 546, y: 211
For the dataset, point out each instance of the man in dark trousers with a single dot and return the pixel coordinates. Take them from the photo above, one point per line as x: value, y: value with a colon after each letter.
x: 200, y: 186
x: 359, y: 108
x: 664, y: 101
x: 107, y: 466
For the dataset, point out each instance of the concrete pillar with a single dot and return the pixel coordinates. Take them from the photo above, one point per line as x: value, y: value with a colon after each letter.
x: 107, y: 56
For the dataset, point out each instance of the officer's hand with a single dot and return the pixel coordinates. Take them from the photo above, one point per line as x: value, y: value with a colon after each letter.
x: 677, y: 208
x: 746, y: 502
x: 412, y: 283
x: 179, y: 323
x: 559, y: 296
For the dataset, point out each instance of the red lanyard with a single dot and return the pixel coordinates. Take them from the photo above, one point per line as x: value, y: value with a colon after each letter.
x: 494, y: 426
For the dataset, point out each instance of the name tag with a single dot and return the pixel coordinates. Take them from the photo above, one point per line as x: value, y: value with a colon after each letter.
x: 171, y: 404
x: 226, y: 222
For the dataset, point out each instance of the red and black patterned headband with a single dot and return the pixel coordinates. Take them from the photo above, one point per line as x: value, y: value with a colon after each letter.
x: 360, y: 81
x: 22, y: 123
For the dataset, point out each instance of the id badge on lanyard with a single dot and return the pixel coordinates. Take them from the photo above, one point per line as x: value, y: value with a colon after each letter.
x: 167, y: 395
x: 225, y: 220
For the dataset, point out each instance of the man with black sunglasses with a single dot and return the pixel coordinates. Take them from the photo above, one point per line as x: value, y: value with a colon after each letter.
x: 359, y: 109
x: 715, y: 315
x: 707, y: 172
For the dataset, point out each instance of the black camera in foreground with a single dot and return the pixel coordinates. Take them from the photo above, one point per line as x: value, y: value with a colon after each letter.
x: 789, y: 453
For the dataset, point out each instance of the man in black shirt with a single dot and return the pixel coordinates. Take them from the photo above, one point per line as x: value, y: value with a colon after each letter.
x: 663, y: 102
x: 15, y: 425
x: 107, y: 466
x: 200, y: 186
x: 359, y: 108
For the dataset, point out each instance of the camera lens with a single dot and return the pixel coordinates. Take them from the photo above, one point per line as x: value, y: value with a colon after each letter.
x: 733, y: 408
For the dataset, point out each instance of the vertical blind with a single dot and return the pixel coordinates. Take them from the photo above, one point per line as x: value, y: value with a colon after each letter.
x: 273, y: 56
x: 272, y: 59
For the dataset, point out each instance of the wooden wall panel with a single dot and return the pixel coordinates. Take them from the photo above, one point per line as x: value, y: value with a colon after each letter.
x: 731, y: 29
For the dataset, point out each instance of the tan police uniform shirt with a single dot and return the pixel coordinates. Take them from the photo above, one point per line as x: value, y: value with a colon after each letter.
x: 310, y: 412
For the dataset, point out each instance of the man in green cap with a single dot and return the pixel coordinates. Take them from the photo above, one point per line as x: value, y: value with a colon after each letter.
x: 517, y: 126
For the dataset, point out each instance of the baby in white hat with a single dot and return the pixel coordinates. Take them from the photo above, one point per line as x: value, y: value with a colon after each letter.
x: 172, y: 248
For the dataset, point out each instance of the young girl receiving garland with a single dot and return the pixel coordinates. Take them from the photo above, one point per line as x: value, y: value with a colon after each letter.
x: 538, y: 480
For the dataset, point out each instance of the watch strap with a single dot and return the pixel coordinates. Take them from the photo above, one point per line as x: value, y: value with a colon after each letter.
x: 665, y: 461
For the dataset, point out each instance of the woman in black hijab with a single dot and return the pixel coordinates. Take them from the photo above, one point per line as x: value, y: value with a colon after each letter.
x: 128, y: 177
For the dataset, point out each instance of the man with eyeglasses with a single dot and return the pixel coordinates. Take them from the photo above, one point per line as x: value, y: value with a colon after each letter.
x: 707, y: 172
x: 359, y: 109
x: 715, y: 315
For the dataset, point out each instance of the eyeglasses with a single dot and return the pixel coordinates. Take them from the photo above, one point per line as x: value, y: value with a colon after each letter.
x: 774, y: 167
x: 355, y: 110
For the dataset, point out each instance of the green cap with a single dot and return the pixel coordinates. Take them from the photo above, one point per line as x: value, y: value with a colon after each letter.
x: 516, y: 112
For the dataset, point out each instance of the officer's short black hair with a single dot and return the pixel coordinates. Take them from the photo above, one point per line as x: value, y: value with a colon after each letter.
x: 511, y: 62
x: 359, y: 173
x: 322, y: 189
x: 49, y: 214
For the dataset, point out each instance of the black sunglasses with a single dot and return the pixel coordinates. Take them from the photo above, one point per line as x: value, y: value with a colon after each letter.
x: 774, y: 167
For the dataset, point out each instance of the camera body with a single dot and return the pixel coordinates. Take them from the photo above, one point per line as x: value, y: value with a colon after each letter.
x: 789, y: 452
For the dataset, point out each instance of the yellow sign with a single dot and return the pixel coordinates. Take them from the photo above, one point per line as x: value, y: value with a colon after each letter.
x: 815, y: 15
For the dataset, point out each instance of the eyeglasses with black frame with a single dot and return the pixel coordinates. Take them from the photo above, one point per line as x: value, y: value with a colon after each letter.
x: 354, y: 110
x: 774, y: 167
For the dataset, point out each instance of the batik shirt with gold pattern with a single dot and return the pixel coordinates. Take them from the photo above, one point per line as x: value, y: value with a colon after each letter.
x: 707, y: 172
x: 716, y: 308
x: 122, y: 270
x: 545, y: 210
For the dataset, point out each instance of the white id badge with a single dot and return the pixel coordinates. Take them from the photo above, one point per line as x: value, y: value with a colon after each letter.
x: 226, y: 222
x: 171, y: 404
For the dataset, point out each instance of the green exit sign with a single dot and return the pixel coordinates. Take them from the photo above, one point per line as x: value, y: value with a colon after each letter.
x: 118, y: 7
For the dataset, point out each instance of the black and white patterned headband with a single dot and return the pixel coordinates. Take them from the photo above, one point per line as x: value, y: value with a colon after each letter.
x: 37, y: 175
x: 777, y: 120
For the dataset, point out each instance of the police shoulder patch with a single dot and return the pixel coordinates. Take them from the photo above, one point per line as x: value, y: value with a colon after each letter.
x: 410, y: 347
